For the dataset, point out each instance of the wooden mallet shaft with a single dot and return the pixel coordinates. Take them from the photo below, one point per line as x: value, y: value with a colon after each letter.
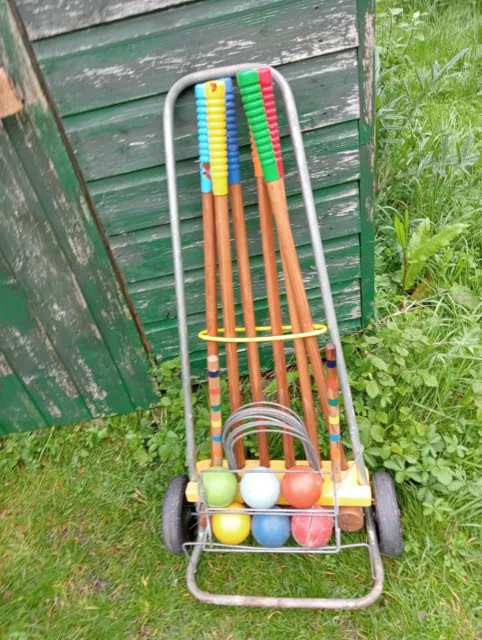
x: 334, y: 411
x: 265, y: 83
x: 274, y: 306
x: 216, y: 117
x: 215, y: 415
x: 242, y: 255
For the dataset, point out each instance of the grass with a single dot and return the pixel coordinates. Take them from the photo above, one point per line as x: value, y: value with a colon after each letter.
x: 80, y: 552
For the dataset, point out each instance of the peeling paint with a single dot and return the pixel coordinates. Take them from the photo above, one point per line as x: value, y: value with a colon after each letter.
x: 368, y: 67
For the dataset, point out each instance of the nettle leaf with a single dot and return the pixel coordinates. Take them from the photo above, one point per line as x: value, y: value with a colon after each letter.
x: 443, y: 474
x: 465, y: 296
x: 382, y: 416
x: 377, y: 432
x: 372, y: 389
x: 378, y: 363
x: 430, y: 381
x: 386, y: 451
x: 477, y: 388
x: 456, y: 485
x: 395, y: 464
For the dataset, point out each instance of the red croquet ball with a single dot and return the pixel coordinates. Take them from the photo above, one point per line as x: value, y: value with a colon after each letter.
x: 312, y: 531
x: 301, y: 490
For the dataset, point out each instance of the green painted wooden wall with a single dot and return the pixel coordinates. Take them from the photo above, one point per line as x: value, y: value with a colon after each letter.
x: 109, y: 66
x: 70, y: 349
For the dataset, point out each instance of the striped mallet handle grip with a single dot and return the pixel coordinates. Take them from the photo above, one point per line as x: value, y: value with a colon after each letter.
x: 267, y: 91
x: 333, y: 411
x: 203, y: 138
x: 215, y: 92
x: 234, y: 164
x: 214, y: 388
x: 254, y: 108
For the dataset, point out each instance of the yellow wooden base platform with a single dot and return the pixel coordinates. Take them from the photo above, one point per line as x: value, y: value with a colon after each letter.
x: 351, y: 493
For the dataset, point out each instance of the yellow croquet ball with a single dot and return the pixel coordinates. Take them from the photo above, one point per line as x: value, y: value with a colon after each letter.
x: 231, y: 528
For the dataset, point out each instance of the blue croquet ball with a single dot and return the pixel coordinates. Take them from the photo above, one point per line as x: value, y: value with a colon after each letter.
x: 271, y: 530
x: 260, y: 488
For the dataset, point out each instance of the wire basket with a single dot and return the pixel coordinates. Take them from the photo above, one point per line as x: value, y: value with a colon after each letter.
x: 270, y: 418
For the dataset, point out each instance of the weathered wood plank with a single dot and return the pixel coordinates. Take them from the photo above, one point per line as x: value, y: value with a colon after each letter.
x: 58, y: 187
x: 25, y: 343
x: 139, y: 201
x: 148, y: 254
x: 35, y: 257
x: 17, y: 411
x: 155, y: 299
x: 127, y: 137
x: 143, y: 56
x: 164, y: 334
x: 44, y: 19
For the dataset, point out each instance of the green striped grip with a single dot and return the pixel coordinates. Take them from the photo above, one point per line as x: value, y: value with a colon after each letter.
x: 248, y: 83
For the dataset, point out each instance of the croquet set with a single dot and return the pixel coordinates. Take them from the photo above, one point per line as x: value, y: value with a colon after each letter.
x: 301, y: 504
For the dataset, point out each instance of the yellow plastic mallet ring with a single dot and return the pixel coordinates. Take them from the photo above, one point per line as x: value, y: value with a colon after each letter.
x: 318, y: 329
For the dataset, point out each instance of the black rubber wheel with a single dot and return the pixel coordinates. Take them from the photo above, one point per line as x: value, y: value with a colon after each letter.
x: 387, y: 515
x: 179, y: 522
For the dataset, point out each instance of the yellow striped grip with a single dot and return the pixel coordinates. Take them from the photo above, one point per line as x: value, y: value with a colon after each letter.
x: 215, y: 92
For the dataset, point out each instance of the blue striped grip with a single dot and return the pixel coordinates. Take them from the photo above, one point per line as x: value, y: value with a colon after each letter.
x: 203, y: 140
x: 234, y: 166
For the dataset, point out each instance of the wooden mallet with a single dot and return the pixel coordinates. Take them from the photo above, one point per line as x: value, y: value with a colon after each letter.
x: 242, y: 254
x: 216, y: 118
x: 269, y: 252
x: 209, y: 236
x: 274, y: 305
x: 254, y: 107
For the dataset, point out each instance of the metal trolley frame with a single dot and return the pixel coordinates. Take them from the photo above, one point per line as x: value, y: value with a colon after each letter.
x: 203, y: 539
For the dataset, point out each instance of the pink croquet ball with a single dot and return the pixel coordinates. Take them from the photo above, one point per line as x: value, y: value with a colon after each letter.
x: 312, y: 531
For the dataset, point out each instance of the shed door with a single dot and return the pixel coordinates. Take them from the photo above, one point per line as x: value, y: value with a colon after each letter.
x: 70, y: 348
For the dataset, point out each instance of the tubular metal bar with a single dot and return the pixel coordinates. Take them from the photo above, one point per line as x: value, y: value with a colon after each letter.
x: 168, y: 126
x: 292, y: 603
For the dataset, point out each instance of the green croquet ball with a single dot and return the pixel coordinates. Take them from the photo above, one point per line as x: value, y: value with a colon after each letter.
x: 220, y: 486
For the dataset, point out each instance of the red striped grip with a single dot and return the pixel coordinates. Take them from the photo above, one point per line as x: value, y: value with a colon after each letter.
x: 266, y: 84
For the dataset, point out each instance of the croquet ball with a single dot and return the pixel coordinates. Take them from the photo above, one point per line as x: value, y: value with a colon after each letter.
x: 301, y: 490
x: 231, y: 528
x: 260, y: 490
x: 271, y: 530
x: 220, y: 486
x: 312, y: 531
